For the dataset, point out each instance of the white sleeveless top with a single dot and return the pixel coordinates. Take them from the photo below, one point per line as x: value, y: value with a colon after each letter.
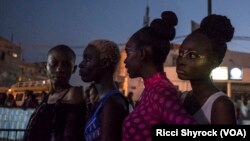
x: 203, y: 115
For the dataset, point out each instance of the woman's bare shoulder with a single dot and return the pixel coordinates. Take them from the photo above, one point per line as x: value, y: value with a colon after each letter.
x: 75, y: 95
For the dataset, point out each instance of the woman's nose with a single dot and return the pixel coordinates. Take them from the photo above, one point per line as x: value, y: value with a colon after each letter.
x: 81, y: 65
x: 180, y: 61
x: 60, y: 68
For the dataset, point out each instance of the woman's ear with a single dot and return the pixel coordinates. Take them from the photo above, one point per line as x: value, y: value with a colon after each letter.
x: 146, y: 53
x: 105, y: 62
x: 142, y: 53
x: 214, y: 63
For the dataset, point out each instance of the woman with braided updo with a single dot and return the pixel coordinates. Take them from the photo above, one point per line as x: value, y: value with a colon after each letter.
x: 201, y: 52
x: 147, y: 50
x: 108, y: 112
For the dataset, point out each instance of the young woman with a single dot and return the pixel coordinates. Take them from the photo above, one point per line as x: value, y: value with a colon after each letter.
x: 100, y: 59
x: 61, y: 116
x: 201, y: 52
x: 146, y: 51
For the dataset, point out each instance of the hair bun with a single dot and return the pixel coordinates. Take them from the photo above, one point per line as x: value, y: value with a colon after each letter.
x: 165, y: 26
x: 170, y: 17
x: 217, y: 27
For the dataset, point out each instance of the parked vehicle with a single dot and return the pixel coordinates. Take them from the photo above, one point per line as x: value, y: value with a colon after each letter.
x: 38, y: 87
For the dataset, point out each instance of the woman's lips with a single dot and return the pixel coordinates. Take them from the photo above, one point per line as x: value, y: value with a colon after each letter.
x: 180, y: 71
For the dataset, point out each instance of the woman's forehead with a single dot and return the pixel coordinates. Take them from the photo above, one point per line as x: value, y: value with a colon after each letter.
x: 91, y: 50
x: 197, y: 42
x: 61, y: 55
x: 131, y: 44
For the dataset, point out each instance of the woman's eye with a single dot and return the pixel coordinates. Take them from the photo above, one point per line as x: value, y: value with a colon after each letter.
x: 52, y: 63
x: 87, y: 59
x: 67, y: 65
x: 181, y: 54
x: 192, y: 55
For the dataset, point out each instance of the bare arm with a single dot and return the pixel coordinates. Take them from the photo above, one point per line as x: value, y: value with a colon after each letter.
x: 223, y: 111
x: 112, y: 116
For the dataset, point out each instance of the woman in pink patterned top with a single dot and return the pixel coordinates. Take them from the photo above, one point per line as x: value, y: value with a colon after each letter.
x: 146, y: 51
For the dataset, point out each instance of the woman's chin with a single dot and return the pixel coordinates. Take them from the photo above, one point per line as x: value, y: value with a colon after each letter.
x: 85, y: 79
x: 182, y: 77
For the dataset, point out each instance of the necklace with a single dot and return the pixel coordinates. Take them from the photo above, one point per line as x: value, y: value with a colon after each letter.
x: 57, y: 95
x: 60, y: 90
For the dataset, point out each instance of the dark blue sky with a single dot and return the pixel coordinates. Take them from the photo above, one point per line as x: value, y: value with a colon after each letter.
x: 39, y: 24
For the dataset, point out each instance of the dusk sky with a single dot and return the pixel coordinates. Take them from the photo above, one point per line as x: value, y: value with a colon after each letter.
x: 37, y: 25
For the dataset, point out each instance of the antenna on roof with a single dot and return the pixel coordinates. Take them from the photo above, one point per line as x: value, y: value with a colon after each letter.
x: 146, y: 18
x: 209, y: 7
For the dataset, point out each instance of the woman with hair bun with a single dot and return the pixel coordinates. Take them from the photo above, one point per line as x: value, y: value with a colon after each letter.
x: 201, y: 52
x: 146, y: 51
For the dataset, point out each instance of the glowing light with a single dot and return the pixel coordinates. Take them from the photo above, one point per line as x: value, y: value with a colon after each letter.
x: 220, y: 73
x: 236, y: 74
x: 14, y: 55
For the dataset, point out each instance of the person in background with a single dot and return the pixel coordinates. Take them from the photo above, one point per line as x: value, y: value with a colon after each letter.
x: 100, y: 59
x: 201, y: 52
x: 3, y: 97
x: 241, y: 109
x: 147, y: 50
x: 30, y: 100
x: 10, y: 101
x: 43, y: 97
x: 61, y: 116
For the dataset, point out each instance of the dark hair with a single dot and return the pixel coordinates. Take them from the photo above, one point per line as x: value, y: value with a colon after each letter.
x: 219, y: 31
x: 63, y: 48
x: 158, y: 36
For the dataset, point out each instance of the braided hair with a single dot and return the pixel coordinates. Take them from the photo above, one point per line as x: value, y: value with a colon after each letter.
x: 108, y: 50
x: 219, y: 30
x: 157, y: 36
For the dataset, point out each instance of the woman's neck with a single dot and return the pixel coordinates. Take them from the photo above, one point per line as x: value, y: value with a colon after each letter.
x: 149, y: 72
x: 203, y: 88
x: 105, y: 86
x: 59, y: 88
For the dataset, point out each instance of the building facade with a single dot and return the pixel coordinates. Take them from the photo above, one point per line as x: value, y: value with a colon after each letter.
x: 13, y: 69
x: 10, y: 56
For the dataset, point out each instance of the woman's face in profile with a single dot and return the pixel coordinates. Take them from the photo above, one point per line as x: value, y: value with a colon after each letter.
x: 132, y: 61
x: 90, y: 66
x: 195, y: 58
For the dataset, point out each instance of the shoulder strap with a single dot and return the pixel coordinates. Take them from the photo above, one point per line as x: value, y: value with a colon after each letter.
x: 100, y: 104
x: 103, y: 100
x: 183, y: 96
x: 59, y: 100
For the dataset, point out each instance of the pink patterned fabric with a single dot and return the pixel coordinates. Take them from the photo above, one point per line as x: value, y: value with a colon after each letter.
x: 159, y: 104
